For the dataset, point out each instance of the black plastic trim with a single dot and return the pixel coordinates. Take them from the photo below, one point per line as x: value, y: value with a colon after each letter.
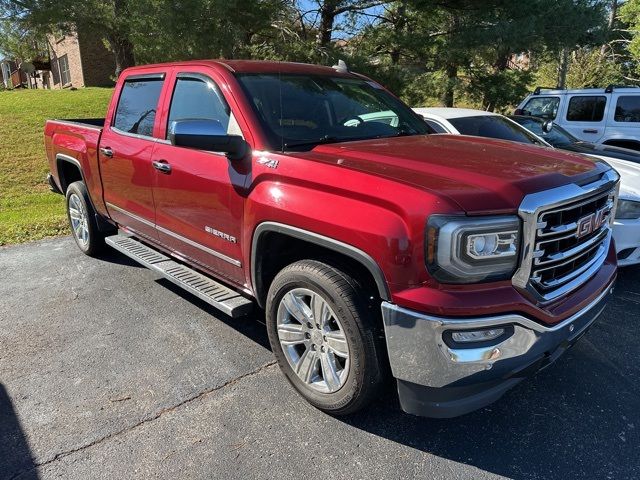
x: 320, y: 240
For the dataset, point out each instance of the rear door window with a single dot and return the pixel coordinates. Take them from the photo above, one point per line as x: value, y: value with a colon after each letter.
x: 586, y: 108
x: 136, y: 111
x: 627, y: 109
x: 544, y: 107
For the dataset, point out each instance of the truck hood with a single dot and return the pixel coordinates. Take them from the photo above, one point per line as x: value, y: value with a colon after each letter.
x: 481, y: 175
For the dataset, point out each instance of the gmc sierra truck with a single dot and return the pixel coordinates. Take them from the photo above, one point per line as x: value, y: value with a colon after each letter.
x: 458, y: 265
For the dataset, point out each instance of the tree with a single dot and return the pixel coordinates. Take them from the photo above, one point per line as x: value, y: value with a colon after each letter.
x: 115, y: 19
x: 629, y: 36
x: 21, y: 43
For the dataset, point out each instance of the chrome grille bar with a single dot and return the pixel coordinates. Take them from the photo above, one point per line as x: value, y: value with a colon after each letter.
x: 566, y: 235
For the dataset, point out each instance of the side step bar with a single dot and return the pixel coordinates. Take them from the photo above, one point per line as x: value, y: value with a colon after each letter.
x: 221, y: 297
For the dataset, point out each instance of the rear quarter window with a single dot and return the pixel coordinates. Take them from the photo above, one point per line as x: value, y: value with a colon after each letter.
x: 627, y: 109
x: 136, y: 111
x: 586, y: 108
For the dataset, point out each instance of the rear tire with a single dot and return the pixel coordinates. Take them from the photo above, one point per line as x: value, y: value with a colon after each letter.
x: 82, y: 219
x: 324, y: 337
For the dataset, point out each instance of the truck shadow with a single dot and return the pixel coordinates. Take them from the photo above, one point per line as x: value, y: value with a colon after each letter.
x: 578, y: 419
x: 252, y: 326
x: 15, y: 454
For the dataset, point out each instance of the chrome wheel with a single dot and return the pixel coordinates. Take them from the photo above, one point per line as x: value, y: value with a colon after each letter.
x: 313, y: 340
x: 79, y: 220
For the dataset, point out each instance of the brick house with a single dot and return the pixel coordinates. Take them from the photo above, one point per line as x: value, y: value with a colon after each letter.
x: 80, y: 59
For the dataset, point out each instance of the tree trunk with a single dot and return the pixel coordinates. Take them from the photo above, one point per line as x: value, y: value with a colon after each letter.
x: 451, y: 70
x: 399, y: 27
x: 327, y: 17
x: 610, y: 24
x: 120, y: 43
x: 123, y: 51
x: 563, y: 67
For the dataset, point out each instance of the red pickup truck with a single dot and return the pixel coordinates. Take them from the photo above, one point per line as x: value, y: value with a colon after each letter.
x: 458, y: 265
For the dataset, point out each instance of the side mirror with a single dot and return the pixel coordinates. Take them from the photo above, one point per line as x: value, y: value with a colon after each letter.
x: 547, y: 126
x: 207, y: 135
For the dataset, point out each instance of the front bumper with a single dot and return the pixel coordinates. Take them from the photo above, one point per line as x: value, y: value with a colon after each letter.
x: 437, y: 380
x: 627, y: 236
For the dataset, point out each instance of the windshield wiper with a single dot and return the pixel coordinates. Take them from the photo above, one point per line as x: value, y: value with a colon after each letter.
x: 322, y: 140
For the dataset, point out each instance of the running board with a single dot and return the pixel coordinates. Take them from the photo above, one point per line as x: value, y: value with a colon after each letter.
x: 221, y: 297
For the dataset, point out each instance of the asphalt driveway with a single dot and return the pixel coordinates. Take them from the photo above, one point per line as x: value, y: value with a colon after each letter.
x: 107, y: 371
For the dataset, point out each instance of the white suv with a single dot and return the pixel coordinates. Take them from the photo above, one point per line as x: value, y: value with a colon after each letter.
x: 610, y: 116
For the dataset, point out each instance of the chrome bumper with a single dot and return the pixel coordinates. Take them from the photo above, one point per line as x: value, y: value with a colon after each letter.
x: 419, y: 354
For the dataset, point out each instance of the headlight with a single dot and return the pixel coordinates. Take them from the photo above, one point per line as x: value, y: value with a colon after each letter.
x: 468, y: 250
x: 628, y: 209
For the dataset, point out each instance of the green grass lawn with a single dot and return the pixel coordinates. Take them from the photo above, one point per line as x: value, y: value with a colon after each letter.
x: 28, y: 210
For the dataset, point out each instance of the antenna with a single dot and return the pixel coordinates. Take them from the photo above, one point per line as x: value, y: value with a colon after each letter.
x: 341, y: 67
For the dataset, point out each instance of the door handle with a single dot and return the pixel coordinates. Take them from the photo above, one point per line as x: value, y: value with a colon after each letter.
x: 106, y: 151
x: 162, y: 166
x: 589, y: 130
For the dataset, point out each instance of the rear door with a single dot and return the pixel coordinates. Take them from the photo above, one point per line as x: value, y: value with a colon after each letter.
x: 584, y: 116
x: 125, y: 152
x: 199, y: 195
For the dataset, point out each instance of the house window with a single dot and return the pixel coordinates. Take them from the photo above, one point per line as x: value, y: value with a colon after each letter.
x: 63, y: 66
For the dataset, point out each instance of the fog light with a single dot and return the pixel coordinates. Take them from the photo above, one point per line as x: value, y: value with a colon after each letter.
x: 477, y: 335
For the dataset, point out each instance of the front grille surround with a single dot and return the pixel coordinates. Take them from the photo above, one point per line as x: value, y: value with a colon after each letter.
x: 554, y: 260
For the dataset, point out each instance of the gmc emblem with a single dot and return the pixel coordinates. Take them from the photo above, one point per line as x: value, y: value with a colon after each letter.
x: 592, y: 222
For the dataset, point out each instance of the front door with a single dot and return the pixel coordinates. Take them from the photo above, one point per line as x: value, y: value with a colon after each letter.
x: 125, y: 152
x: 199, y: 195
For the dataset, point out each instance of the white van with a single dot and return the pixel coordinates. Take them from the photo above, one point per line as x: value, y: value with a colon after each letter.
x: 610, y: 116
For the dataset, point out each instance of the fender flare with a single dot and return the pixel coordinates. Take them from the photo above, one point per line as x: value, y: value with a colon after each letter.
x: 104, y: 225
x: 329, y: 243
x: 61, y: 157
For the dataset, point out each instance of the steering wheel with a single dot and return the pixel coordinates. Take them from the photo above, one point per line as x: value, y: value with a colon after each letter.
x: 356, y: 118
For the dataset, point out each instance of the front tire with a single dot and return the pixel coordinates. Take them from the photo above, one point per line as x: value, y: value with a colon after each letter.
x: 82, y: 220
x: 324, y: 337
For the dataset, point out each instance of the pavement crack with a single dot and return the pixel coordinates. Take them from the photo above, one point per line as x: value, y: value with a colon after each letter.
x: 145, y: 420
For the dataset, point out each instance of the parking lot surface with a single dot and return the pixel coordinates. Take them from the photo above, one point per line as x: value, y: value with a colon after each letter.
x: 107, y: 371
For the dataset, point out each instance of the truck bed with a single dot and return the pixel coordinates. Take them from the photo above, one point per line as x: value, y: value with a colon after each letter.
x: 76, y: 141
x: 85, y: 122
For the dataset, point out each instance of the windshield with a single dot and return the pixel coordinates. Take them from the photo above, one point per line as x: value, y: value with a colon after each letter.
x: 493, y: 126
x: 558, y: 136
x: 299, y: 112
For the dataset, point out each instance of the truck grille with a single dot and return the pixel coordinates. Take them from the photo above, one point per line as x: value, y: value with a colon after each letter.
x: 566, y: 236
x: 570, y: 240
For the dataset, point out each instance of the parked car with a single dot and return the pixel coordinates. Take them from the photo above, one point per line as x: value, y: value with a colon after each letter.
x: 626, y: 229
x: 610, y: 116
x: 462, y: 265
x: 526, y: 129
x: 477, y: 123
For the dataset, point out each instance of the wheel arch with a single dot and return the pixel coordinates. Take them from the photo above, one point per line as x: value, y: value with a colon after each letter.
x: 69, y: 171
x: 263, y: 265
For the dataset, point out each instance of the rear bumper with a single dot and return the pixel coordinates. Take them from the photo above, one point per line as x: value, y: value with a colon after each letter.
x: 436, y: 379
x: 627, y: 236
